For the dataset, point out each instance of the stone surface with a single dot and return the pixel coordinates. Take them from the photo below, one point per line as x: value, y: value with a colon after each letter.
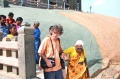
x: 26, y: 53
x: 5, y: 75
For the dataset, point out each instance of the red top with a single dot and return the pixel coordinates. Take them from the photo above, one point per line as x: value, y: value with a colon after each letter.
x: 9, y: 21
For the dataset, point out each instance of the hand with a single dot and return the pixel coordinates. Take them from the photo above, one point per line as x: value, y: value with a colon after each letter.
x: 65, y: 57
x: 48, y: 62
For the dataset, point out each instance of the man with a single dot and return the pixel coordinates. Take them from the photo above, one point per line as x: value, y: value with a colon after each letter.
x: 37, y: 34
x: 3, y: 26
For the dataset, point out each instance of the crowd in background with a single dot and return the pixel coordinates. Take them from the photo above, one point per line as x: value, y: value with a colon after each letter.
x: 9, y: 27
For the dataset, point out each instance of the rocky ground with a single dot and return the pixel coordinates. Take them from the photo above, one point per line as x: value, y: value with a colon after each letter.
x: 105, y: 29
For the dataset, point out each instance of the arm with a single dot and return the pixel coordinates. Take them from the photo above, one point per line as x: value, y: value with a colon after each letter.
x: 65, y: 57
x: 66, y: 52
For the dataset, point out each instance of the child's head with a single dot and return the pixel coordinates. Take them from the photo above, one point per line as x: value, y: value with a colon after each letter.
x: 19, y: 20
x: 10, y: 15
x: 12, y: 29
x: 36, y: 24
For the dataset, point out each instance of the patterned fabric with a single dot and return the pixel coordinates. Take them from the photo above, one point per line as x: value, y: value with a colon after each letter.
x: 76, y: 66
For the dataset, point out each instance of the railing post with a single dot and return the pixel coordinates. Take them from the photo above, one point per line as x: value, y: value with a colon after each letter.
x: 26, y: 53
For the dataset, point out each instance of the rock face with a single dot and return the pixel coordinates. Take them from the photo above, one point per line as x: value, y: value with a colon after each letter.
x: 110, y: 70
x: 105, y: 29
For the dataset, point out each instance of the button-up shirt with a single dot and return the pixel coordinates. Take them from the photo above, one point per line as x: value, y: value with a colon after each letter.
x: 4, y: 30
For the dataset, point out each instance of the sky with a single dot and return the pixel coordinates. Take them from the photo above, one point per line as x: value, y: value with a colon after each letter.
x: 104, y: 7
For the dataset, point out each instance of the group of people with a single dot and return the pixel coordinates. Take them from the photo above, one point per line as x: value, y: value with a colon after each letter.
x: 9, y: 27
x: 50, y: 47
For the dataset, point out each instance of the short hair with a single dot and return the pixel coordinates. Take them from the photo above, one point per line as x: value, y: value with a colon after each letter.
x: 19, y: 19
x: 58, y: 27
x: 2, y: 16
x: 11, y: 26
x: 10, y: 14
x: 36, y: 22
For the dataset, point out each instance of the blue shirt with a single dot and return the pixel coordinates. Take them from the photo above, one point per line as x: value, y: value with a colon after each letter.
x: 5, y: 30
x: 37, y: 34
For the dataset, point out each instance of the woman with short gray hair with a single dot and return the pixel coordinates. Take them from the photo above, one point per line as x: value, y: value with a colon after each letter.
x: 49, y: 53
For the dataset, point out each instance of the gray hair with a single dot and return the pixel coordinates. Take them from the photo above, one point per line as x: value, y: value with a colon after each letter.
x: 36, y: 22
x: 58, y: 27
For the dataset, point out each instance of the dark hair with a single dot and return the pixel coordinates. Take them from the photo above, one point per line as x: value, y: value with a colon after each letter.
x: 11, y: 26
x: 19, y: 19
x: 10, y: 14
x: 58, y: 27
x: 50, y: 28
x: 2, y: 16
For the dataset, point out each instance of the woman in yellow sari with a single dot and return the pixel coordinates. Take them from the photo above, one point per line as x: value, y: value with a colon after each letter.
x: 77, y: 66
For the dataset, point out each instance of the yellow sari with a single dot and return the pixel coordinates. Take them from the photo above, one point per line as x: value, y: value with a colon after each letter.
x: 75, y: 70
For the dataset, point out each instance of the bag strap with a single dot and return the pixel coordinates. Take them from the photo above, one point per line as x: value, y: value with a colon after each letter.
x: 52, y: 50
x: 52, y: 45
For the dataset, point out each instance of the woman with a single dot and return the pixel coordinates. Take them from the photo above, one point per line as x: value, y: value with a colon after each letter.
x: 77, y: 65
x: 13, y: 31
x: 50, y: 48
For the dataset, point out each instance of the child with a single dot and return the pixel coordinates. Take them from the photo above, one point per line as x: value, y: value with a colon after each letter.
x: 13, y: 31
x: 10, y: 19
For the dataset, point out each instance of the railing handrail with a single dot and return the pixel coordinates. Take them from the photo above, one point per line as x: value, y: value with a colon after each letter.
x: 17, y: 56
x: 12, y: 45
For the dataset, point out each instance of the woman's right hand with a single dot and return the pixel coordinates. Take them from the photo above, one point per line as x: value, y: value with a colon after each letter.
x: 48, y: 62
